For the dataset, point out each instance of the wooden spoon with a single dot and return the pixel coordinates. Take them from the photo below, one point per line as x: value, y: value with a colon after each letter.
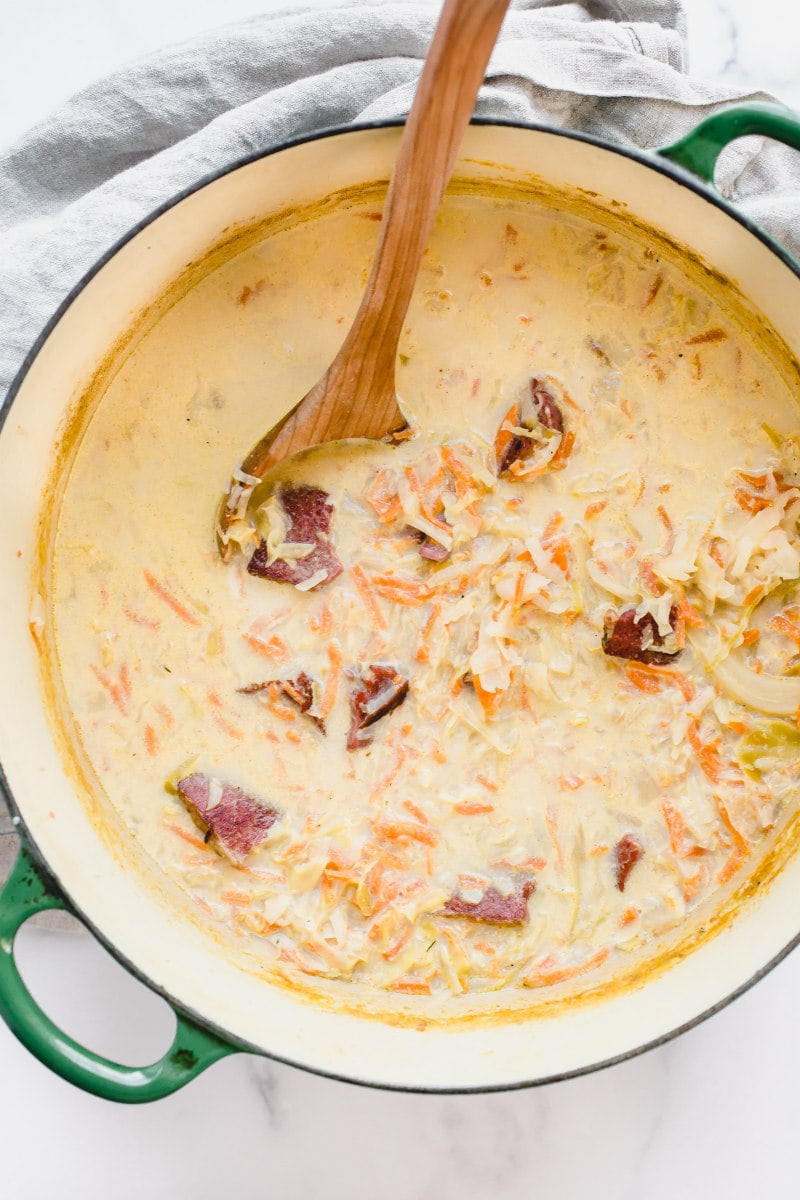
x: 356, y: 397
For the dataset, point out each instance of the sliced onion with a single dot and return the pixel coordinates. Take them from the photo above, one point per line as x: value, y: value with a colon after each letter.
x: 777, y: 695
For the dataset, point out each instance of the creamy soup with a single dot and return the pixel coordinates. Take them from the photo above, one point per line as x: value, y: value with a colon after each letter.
x: 498, y: 707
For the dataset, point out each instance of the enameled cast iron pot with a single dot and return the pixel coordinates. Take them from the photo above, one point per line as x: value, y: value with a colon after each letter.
x: 64, y: 863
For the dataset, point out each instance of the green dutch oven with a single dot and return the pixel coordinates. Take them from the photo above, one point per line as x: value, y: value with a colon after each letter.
x: 65, y: 863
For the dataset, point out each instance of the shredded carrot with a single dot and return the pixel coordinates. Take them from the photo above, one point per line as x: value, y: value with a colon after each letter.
x: 552, y: 829
x: 489, y: 700
x: 504, y: 435
x: 415, y: 812
x: 687, y: 613
x: 600, y: 848
x: 464, y: 481
x: 387, y: 858
x: 413, y: 987
x: 219, y: 716
x: 382, y: 784
x: 738, y: 727
x: 709, y: 335
x: 150, y: 740
x: 430, y: 509
x: 750, y: 637
x: 383, y: 497
x: 423, y: 653
x: 290, y: 956
x: 707, y: 754
x: 368, y: 597
x: 731, y: 866
x: 551, y: 528
x: 540, y: 976
x: 738, y: 840
x: 323, y: 624
x: 234, y: 897
x: 676, y: 828
x: 405, y: 831
x: 400, y: 591
x: 594, y: 508
x: 402, y: 941
x: 119, y: 692
x: 470, y: 808
x: 692, y: 885
x: 715, y: 552
x: 201, y: 903
x: 650, y: 579
x: 163, y: 593
x: 571, y: 783
x: 274, y: 648
x: 629, y: 916
x: 138, y: 619
x: 650, y: 677
x: 655, y: 288
x: 559, y: 556
x: 645, y: 681
x: 749, y: 502
x: 197, y: 842
x: 332, y: 682
x: 487, y: 783
x: 782, y: 624
x: 665, y: 519
x: 559, y: 459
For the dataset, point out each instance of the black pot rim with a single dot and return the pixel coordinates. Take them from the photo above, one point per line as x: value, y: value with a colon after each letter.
x: 649, y: 160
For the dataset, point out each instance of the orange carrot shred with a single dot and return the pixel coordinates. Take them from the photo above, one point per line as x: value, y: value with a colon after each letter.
x: 412, y: 987
x: 405, y: 831
x: 163, y: 593
x: 332, y: 682
x: 119, y: 692
x: 415, y: 812
x: 559, y: 459
x: 274, y: 648
x: 487, y: 783
x: 489, y: 700
x: 197, y: 842
x: 540, y: 976
x: 368, y: 597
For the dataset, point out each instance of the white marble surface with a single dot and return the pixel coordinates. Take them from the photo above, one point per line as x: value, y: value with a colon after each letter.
x: 713, y: 1114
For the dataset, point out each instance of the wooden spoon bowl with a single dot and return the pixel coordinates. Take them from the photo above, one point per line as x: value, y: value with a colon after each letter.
x: 356, y: 397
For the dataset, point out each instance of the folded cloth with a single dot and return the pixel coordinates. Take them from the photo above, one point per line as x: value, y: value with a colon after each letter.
x: 80, y: 179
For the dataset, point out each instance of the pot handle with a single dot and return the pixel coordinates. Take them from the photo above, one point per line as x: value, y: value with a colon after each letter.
x: 28, y: 891
x: 699, y: 150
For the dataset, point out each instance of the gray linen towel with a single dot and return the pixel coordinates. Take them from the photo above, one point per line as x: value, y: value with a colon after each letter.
x: 78, y: 180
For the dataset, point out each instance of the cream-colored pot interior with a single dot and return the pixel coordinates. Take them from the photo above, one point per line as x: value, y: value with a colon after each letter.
x: 176, y: 956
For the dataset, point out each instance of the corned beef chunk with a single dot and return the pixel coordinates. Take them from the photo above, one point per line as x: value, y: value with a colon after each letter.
x: 627, y: 637
x: 428, y: 548
x: 238, y: 823
x: 377, y: 692
x: 493, y: 906
x: 299, y: 690
x: 627, y: 853
x: 308, y: 516
x: 537, y: 409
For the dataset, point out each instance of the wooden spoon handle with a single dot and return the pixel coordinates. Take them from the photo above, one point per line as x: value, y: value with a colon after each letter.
x: 356, y: 396
x: 445, y: 99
